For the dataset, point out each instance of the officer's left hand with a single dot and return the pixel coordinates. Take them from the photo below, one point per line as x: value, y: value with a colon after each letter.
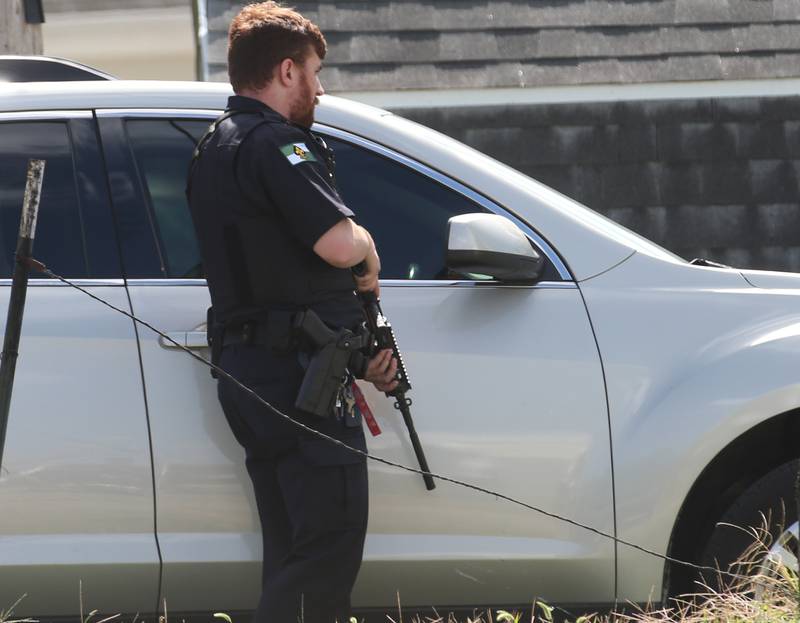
x: 368, y: 281
x: 381, y: 371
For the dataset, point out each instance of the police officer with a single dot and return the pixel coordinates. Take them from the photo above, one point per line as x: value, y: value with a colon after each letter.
x: 276, y: 238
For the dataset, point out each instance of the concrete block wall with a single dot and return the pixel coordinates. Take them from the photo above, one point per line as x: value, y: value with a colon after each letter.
x: 714, y: 178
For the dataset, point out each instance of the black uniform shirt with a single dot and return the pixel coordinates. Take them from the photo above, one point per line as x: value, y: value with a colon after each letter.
x: 262, y: 193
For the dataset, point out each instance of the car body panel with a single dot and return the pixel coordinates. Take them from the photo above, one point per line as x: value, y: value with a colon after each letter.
x: 208, y: 527
x: 206, y: 514
x: 508, y: 421
x: 694, y: 357
x: 76, y: 488
x: 772, y: 280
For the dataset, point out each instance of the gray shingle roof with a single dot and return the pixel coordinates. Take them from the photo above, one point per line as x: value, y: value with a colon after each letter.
x: 69, y: 6
x: 466, y: 43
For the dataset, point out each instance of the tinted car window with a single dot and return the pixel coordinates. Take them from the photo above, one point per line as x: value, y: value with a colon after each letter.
x: 405, y: 211
x: 163, y: 149
x: 74, y: 233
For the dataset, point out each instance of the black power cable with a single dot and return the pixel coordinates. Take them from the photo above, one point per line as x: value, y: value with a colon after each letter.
x: 33, y: 264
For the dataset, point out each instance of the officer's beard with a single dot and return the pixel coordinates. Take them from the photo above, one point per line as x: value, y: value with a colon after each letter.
x: 301, y: 111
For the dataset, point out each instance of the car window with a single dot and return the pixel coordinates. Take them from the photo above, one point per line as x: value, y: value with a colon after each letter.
x: 405, y: 211
x: 163, y: 149
x: 74, y: 232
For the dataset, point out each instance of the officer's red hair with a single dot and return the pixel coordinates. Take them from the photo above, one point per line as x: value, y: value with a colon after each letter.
x: 261, y: 36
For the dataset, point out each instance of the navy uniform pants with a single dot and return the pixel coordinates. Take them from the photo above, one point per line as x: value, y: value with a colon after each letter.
x: 311, y: 494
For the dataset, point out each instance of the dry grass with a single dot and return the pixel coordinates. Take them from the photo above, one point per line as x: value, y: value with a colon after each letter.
x: 763, y: 592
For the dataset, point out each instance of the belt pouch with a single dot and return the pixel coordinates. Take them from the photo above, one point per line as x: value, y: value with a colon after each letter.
x: 279, y: 330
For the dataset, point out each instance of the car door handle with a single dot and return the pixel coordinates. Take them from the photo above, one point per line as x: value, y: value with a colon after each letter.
x: 189, y: 339
x: 196, y: 339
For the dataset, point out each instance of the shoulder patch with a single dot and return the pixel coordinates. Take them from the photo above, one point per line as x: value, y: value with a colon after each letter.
x: 297, y: 153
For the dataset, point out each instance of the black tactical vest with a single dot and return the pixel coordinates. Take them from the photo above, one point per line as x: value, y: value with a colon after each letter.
x: 259, y: 191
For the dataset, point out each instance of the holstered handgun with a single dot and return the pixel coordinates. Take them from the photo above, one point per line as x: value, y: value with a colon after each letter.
x: 327, y: 371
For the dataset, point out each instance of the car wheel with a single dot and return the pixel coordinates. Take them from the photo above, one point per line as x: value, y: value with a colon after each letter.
x: 765, y: 511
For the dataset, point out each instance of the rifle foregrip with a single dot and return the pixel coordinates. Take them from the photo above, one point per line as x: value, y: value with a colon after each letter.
x: 386, y: 339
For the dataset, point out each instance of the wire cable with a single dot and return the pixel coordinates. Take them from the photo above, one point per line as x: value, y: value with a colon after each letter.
x: 38, y: 266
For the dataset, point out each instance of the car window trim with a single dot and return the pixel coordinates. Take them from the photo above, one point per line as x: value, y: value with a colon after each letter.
x: 540, y: 243
x: 45, y: 115
x: 398, y: 283
x: 46, y: 282
x: 158, y: 113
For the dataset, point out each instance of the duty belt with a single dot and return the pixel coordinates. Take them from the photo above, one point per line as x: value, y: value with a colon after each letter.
x: 274, y: 331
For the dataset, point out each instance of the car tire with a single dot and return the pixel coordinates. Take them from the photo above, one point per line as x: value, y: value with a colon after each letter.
x: 773, y: 496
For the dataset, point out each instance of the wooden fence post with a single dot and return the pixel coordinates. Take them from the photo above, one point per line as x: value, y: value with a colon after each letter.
x: 17, y: 36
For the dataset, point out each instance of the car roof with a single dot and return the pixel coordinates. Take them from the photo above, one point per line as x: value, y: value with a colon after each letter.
x: 29, y: 68
x: 81, y: 95
x: 148, y: 94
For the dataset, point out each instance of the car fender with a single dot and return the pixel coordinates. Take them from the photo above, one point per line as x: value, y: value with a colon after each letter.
x: 693, y: 358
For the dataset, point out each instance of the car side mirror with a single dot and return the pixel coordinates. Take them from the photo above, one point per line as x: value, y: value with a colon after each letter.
x: 489, y: 244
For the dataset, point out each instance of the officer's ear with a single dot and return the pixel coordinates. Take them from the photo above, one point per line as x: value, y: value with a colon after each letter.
x: 286, y: 72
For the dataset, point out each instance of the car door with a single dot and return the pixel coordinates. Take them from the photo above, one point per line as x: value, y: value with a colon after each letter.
x: 507, y: 394
x: 208, y: 529
x: 76, y: 494
x: 507, y: 391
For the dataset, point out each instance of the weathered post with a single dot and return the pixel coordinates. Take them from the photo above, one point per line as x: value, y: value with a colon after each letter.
x: 200, y: 19
x: 20, y: 26
x: 19, y: 287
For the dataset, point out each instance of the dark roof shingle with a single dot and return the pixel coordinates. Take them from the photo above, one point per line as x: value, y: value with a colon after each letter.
x: 419, y: 44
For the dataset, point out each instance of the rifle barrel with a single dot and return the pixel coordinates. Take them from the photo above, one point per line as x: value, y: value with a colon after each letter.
x: 402, y: 404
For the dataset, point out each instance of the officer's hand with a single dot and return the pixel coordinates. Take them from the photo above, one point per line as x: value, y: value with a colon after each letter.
x: 369, y: 280
x: 381, y: 371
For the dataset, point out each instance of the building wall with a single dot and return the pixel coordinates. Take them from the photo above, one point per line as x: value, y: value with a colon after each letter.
x: 418, y: 44
x: 714, y: 178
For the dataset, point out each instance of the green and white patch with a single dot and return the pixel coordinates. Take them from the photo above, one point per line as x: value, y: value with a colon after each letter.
x: 297, y: 153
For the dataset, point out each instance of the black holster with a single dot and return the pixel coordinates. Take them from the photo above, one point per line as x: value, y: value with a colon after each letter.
x: 335, y: 355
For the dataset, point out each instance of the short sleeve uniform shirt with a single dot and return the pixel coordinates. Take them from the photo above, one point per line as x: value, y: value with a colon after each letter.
x: 263, y: 192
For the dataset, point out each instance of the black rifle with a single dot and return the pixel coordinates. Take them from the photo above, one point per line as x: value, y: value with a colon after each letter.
x: 383, y: 338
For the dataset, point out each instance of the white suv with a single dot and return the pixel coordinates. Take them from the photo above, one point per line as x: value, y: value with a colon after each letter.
x: 626, y: 389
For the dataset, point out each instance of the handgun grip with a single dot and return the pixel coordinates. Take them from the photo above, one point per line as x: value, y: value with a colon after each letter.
x: 310, y: 326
